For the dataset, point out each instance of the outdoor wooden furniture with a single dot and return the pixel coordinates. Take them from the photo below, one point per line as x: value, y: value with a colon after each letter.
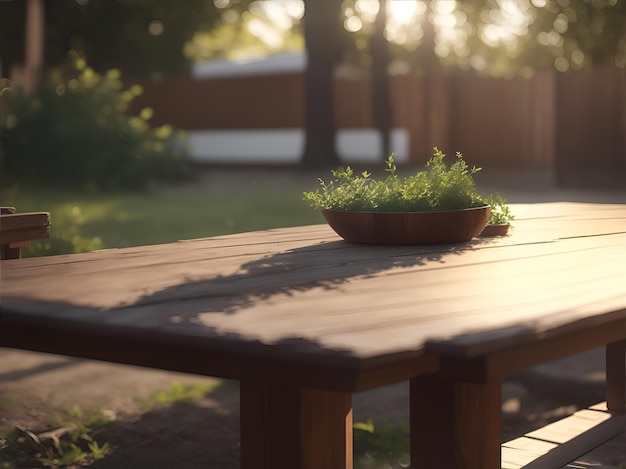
x: 304, y: 319
x: 19, y: 229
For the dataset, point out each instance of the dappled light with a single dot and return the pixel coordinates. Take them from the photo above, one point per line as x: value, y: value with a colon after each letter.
x: 497, y: 37
x: 265, y: 27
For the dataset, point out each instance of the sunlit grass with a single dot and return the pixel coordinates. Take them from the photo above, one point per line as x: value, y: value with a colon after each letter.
x: 85, y: 222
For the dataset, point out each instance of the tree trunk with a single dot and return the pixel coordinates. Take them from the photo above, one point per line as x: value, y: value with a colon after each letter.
x: 381, y: 99
x: 322, y: 36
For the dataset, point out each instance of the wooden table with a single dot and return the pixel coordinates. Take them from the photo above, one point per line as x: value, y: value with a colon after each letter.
x: 304, y: 319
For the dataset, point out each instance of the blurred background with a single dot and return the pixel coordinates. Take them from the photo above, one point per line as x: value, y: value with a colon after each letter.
x: 138, y: 122
x: 216, y: 98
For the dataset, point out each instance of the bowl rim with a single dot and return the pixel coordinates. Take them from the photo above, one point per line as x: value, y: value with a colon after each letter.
x: 481, y: 207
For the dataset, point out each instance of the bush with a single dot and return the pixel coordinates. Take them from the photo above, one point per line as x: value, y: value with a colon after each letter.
x: 74, y: 131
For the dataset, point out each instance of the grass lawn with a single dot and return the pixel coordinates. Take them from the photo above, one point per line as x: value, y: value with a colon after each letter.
x: 85, y: 222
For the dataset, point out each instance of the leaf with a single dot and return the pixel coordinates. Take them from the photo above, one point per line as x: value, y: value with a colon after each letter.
x: 367, y: 426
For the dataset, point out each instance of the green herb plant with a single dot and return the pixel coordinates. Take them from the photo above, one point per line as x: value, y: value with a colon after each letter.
x: 438, y: 187
x: 499, y: 213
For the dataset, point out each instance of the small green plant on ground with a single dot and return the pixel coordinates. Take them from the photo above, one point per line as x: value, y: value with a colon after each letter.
x: 438, y: 187
x: 385, y: 445
x: 70, y: 444
x: 79, y: 449
x: 9, y: 403
x: 72, y: 441
x: 178, y: 392
x: 499, y: 213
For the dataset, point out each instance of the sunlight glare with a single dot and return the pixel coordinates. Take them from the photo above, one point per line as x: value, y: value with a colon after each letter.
x: 266, y: 33
x: 367, y: 9
x: 403, y: 11
x: 277, y: 13
x: 404, y: 22
x: 506, y: 24
x: 353, y: 24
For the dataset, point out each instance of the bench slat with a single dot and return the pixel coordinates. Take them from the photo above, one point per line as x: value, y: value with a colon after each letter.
x: 609, y: 455
x: 18, y: 229
x: 565, y: 440
x: 17, y: 221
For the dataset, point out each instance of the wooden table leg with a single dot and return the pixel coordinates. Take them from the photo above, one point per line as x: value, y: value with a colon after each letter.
x: 455, y: 424
x: 288, y: 427
x: 616, y: 376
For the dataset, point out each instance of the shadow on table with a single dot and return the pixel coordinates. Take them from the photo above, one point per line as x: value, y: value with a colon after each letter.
x: 326, y: 266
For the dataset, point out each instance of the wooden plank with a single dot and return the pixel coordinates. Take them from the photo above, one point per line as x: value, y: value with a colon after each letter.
x: 616, y: 376
x: 270, y: 426
x: 18, y: 229
x: 520, y: 452
x: 296, y: 428
x: 17, y: 221
x: 240, y: 282
x: 563, y: 441
x: 454, y: 424
x: 24, y: 234
x: 323, y: 369
x: 609, y: 455
x: 326, y: 429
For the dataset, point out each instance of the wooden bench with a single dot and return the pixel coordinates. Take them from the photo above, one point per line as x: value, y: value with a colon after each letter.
x: 17, y: 230
x: 588, y: 433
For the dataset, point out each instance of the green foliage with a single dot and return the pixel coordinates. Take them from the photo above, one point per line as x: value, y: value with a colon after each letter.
x: 438, y: 187
x: 144, y: 38
x: 74, y: 131
x: 385, y: 445
x: 68, y: 449
x: 91, y: 418
x: 79, y: 449
x: 178, y: 392
x: 499, y: 213
x: 8, y: 403
x: 84, y: 222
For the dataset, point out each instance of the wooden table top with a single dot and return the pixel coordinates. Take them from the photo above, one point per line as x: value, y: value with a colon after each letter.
x: 306, y: 295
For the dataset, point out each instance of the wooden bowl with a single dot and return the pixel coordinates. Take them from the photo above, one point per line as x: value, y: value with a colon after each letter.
x: 408, y: 228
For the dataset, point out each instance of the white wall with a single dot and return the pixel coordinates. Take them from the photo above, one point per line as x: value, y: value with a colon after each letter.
x: 285, y: 146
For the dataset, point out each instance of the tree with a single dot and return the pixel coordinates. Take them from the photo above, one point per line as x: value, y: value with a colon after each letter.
x: 140, y: 37
x: 507, y: 38
x: 324, y: 39
x: 380, y: 97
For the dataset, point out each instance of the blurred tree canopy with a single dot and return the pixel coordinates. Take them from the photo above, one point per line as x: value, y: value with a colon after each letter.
x: 161, y: 37
x: 496, y: 37
x: 155, y: 38
x: 143, y: 38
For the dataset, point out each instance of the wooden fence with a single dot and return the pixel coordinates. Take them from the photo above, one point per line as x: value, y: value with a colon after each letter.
x: 551, y: 121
